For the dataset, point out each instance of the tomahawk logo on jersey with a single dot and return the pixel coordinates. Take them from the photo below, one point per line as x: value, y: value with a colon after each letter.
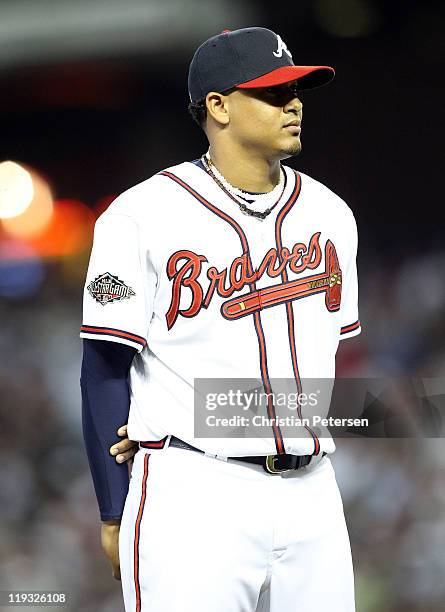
x: 214, y: 293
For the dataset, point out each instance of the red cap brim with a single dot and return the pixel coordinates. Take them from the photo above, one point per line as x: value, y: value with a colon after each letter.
x: 308, y: 77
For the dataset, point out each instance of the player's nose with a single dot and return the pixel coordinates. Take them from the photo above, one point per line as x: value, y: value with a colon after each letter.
x: 295, y: 104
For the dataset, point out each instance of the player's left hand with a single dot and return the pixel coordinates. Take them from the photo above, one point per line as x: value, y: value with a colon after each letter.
x: 125, y: 449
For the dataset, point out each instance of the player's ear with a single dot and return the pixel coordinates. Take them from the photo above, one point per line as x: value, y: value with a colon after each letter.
x: 217, y: 107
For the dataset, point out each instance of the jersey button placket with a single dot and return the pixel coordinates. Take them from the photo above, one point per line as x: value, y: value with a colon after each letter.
x: 263, y: 244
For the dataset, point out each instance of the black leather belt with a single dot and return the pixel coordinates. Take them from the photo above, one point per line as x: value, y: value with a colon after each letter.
x: 273, y: 464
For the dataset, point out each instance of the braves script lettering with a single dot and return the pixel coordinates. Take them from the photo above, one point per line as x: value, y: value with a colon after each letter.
x: 184, y: 268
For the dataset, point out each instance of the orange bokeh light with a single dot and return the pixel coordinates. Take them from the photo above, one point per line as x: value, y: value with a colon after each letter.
x: 69, y: 231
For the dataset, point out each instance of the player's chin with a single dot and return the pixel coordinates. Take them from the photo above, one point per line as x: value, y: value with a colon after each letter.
x: 292, y: 148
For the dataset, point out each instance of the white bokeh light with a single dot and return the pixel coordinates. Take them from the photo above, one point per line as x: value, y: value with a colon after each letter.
x: 16, y: 189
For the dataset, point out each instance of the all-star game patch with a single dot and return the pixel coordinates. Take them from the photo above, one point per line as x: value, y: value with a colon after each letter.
x: 107, y: 288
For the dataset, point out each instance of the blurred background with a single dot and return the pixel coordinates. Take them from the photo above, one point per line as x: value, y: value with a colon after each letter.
x: 94, y: 100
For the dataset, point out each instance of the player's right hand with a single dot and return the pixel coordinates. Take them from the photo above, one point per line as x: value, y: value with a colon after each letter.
x: 125, y: 449
x: 110, y: 545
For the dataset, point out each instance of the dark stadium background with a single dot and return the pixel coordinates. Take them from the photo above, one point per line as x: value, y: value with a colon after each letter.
x: 93, y: 100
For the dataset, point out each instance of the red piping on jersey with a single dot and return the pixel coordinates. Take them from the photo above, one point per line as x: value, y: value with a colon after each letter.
x: 137, y: 533
x: 349, y: 328
x: 154, y: 444
x: 110, y: 331
x: 279, y: 443
x: 289, y: 307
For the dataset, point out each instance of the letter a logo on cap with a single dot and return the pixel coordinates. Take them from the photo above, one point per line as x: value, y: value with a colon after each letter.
x: 281, y: 47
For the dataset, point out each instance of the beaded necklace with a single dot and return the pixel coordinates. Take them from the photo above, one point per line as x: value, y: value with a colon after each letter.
x: 234, y: 193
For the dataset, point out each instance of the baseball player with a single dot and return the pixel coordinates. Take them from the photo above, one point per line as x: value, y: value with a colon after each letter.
x: 229, y: 267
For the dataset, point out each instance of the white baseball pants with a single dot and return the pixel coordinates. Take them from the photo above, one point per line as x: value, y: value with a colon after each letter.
x: 202, y: 535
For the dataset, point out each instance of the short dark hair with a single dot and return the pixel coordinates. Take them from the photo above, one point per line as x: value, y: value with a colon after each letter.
x: 198, y: 111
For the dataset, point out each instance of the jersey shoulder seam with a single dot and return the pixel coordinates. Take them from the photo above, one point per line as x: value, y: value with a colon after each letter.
x: 325, y: 190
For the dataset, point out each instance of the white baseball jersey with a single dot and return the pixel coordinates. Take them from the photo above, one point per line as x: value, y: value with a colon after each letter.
x: 203, y: 291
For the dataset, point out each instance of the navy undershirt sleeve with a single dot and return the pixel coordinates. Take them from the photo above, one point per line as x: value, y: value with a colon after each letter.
x: 105, y: 408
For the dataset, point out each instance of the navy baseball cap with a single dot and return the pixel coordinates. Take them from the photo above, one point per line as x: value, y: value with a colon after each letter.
x: 245, y: 58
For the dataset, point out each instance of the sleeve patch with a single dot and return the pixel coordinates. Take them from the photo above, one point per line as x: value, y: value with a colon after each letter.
x: 107, y: 288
